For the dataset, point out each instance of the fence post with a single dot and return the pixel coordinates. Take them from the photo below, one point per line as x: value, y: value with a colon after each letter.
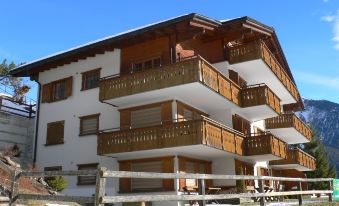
x: 201, y: 187
x: 330, y: 187
x: 261, y: 190
x: 300, y: 198
x: 14, y: 188
x: 100, y: 186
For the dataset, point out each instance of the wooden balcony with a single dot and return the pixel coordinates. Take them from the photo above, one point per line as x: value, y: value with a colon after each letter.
x: 244, y: 59
x: 296, y: 159
x: 289, y: 128
x: 264, y: 147
x: 258, y: 102
x: 187, y: 80
x: 177, y: 134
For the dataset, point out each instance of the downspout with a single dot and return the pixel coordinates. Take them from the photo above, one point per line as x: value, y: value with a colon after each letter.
x: 37, y: 115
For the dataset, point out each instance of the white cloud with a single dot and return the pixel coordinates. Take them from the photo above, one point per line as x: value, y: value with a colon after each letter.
x: 325, y: 1
x: 318, y: 79
x: 334, y: 19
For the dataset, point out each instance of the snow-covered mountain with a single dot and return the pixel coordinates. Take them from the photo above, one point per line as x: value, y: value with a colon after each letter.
x: 323, y: 116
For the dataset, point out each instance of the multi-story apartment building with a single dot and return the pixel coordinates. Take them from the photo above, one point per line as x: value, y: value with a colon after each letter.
x: 190, y: 94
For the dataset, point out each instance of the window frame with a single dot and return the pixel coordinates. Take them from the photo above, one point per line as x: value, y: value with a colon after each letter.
x: 79, y: 177
x: 84, y: 77
x: 82, y: 118
x: 63, y: 138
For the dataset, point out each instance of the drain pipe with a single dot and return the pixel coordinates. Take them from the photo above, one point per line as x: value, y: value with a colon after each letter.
x: 37, y: 115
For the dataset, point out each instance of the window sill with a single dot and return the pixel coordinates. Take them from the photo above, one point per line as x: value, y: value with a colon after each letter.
x: 85, y: 184
x: 148, y: 191
x: 61, y: 143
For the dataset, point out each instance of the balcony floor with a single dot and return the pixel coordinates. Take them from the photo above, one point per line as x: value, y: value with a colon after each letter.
x: 197, y: 95
x: 257, y: 72
x: 264, y: 157
x: 196, y: 151
x: 291, y: 166
x: 289, y: 135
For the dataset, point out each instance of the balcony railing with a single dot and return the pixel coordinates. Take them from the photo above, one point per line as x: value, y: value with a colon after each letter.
x: 194, y: 69
x: 195, y: 132
x: 265, y: 143
x: 297, y: 156
x: 258, y: 50
x: 289, y: 120
x: 260, y: 95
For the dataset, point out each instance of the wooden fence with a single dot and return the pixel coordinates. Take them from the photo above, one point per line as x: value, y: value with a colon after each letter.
x: 102, y: 174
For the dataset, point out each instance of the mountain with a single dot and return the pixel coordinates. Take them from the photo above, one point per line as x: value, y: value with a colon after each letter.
x: 323, y: 116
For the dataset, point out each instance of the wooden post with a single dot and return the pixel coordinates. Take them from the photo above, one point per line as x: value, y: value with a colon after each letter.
x: 261, y: 190
x: 201, y: 187
x: 330, y: 187
x: 100, y: 186
x: 14, y: 188
x: 300, y: 198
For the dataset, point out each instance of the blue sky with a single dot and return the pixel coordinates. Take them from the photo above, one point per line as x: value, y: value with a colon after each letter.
x: 308, y: 30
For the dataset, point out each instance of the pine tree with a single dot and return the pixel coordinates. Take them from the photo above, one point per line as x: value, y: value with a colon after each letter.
x: 16, y: 84
x: 317, y: 149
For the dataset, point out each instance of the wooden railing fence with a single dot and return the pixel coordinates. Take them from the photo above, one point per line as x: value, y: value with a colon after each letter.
x: 102, y: 174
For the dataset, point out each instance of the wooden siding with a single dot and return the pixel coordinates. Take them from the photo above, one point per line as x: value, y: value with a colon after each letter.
x: 289, y: 120
x: 146, y: 50
x: 258, y: 50
x: 297, y: 156
x: 191, y: 70
x: 265, y: 143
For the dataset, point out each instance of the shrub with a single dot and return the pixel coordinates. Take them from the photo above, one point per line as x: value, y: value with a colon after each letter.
x: 58, y: 183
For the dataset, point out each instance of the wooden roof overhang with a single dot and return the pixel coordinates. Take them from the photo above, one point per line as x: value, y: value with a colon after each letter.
x: 178, y: 29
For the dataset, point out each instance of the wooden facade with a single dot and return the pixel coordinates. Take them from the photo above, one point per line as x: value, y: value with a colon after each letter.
x: 289, y: 121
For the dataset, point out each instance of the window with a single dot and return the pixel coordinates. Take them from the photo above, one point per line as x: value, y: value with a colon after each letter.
x: 90, y: 79
x: 87, y: 180
x: 189, y: 165
x: 57, y: 90
x: 55, y: 133
x: 158, y: 164
x: 89, y: 124
x: 146, y: 64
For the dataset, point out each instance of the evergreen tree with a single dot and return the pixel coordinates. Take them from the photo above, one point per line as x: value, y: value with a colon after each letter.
x: 317, y: 149
x: 16, y: 84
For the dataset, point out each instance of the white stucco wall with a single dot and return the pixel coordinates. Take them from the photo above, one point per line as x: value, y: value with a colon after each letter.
x: 78, y: 149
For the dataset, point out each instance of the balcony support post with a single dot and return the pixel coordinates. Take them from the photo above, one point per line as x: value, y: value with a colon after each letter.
x: 201, y: 187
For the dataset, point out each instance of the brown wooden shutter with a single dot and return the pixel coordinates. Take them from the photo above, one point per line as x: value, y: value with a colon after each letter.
x: 233, y: 76
x: 46, y: 93
x: 55, y: 133
x: 125, y: 119
x: 166, y: 113
x: 168, y: 167
x: 125, y: 183
x: 209, y: 183
x: 68, y: 86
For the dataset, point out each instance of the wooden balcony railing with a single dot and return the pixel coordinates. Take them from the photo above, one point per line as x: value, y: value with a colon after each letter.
x: 289, y: 120
x: 265, y: 143
x: 258, y: 50
x: 297, y: 156
x: 205, y: 131
x: 194, y: 69
x: 259, y: 95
